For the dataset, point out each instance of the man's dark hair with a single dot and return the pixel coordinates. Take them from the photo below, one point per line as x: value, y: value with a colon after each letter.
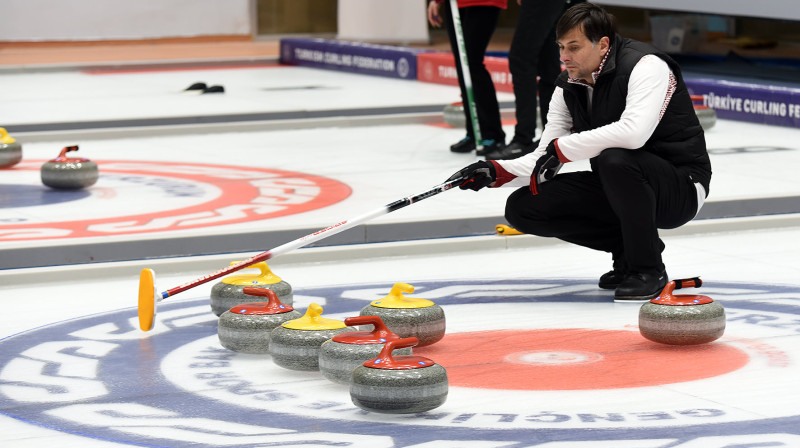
x: 593, y: 19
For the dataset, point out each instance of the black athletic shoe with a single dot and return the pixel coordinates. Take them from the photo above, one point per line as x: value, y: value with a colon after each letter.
x: 512, y: 151
x: 466, y: 144
x: 639, y: 286
x: 490, y: 145
x: 611, y: 279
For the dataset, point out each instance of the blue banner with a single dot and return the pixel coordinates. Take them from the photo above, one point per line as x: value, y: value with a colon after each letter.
x: 356, y: 57
x: 755, y: 103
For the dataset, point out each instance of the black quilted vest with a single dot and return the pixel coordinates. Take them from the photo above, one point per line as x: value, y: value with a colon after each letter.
x: 678, y: 137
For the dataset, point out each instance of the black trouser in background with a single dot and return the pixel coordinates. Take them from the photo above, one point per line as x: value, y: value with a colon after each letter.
x: 618, y: 207
x: 477, y: 24
x: 534, y: 53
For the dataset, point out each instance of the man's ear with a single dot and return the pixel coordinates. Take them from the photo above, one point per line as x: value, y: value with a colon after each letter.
x: 604, y: 43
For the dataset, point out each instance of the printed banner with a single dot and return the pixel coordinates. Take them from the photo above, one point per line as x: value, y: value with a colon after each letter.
x: 356, y: 57
x: 440, y: 68
x: 756, y: 103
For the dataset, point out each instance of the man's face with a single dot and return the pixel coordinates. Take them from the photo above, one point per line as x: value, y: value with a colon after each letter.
x: 579, y: 55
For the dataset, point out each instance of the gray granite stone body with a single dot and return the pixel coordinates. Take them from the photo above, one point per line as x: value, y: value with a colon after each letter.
x: 454, y: 116
x: 10, y: 154
x: 426, y: 324
x: 399, y: 391
x: 249, y: 333
x: 337, y: 360
x: 299, y: 349
x: 71, y: 175
x: 682, y: 324
x: 225, y: 296
x: 707, y: 118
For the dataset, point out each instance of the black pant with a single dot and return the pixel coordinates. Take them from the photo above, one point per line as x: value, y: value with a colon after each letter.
x: 477, y: 24
x: 618, y: 207
x: 534, y: 53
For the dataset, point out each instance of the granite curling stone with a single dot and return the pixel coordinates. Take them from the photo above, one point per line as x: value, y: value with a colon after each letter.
x: 69, y: 173
x: 230, y: 291
x: 399, y: 385
x: 454, y: 115
x: 246, y: 328
x: 295, y: 344
x: 705, y: 114
x: 682, y: 319
x: 346, y: 351
x: 10, y: 150
x: 407, y: 316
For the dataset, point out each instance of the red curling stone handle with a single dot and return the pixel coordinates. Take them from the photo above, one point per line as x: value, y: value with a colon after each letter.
x: 385, y: 360
x: 693, y: 282
x: 399, y: 343
x: 67, y: 149
x: 380, y: 330
x: 262, y: 292
x: 365, y: 320
x: 273, y: 302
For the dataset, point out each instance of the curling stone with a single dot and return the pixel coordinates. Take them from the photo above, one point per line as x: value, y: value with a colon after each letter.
x: 66, y: 173
x: 409, y: 317
x: 454, y: 115
x: 399, y: 385
x: 707, y: 116
x: 10, y: 150
x: 246, y: 328
x: 346, y: 351
x: 682, y: 319
x: 295, y: 344
x: 230, y: 291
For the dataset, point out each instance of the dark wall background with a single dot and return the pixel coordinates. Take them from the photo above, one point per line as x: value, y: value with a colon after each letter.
x: 779, y: 38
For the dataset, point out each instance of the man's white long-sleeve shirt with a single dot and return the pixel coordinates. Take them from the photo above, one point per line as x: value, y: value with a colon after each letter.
x: 650, y: 88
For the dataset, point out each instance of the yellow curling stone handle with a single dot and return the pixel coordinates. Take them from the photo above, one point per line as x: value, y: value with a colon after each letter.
x: 5, y: 138
x: 396, y: 299
x: 313, y: 320
x: 265, y: 277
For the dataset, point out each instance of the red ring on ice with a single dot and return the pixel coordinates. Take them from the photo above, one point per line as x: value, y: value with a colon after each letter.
x: 237, y: 191
x: 603, y: 359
